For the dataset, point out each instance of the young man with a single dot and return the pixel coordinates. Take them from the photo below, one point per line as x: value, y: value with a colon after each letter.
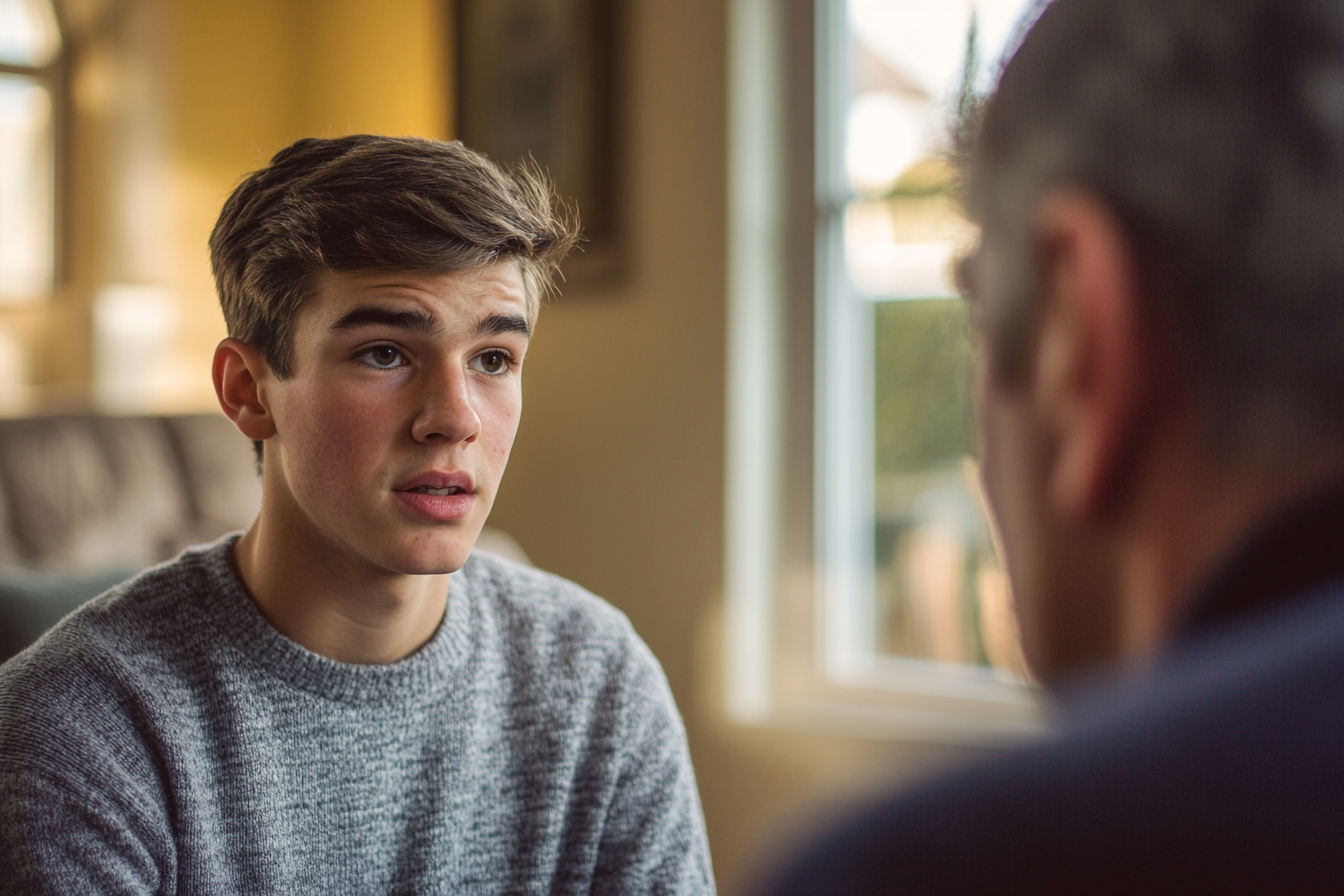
x: 1159, y: 297
x: 345, y: 699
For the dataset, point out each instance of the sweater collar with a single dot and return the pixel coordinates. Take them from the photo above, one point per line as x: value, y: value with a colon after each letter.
x: 236, y: 623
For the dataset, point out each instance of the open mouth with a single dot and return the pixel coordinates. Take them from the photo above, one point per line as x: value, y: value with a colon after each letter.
x: 438, y: 495
x: 429, y: 490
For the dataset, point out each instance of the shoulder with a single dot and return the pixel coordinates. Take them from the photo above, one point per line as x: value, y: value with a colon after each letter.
x: 597, y: 690
x: 564, y: 645
x: 110, y: 654
x: 550, y: 612
x: 78, y: 712
x: 135, y: 617
x: 80, y: 766
x: 1222, y: 767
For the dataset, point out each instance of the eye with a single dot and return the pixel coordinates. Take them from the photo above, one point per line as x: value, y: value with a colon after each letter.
x: 493, y: 362
x: 382, y: 357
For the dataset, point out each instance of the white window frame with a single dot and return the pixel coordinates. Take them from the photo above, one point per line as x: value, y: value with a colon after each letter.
x: 799, y: 514
x: 53, y: 75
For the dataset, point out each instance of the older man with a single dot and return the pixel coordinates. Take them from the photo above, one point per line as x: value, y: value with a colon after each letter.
x: 1159, y: 301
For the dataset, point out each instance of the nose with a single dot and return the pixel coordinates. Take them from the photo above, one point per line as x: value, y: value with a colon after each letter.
x: 447, y: 407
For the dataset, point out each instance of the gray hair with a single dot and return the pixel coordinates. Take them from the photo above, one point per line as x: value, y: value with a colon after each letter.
x: 1214, y: 129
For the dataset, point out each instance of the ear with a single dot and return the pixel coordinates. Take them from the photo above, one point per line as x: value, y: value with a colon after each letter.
x: 1091, y: 362
x: 239, y: 371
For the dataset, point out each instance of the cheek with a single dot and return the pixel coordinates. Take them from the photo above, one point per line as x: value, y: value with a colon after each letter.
x: 500, y: 410
x: 335, y: 432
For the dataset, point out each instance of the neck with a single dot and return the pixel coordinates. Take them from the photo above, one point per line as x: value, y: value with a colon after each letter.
x: 345, y: 610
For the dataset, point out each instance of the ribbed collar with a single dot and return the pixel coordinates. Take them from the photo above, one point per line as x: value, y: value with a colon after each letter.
x: 1285, y: 560
x: 234, y: 622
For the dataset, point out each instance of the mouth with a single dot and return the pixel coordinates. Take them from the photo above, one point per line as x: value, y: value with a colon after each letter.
x: 431, y: 490
x: 438, y: 496
x: 438, y: 482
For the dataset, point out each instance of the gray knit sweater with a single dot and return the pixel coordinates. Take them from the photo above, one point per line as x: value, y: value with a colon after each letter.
x: 166, y: 739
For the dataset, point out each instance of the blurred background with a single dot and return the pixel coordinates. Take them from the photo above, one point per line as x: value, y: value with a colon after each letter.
x: 812, y: 568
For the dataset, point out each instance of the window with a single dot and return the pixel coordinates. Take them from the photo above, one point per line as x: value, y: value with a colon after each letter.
x: 864, y: 591
x: 30, y: 49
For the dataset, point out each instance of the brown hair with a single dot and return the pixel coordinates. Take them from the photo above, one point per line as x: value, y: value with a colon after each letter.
x: 370, y: 203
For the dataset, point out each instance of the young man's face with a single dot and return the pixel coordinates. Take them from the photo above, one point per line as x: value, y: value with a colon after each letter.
x: 393, y: 432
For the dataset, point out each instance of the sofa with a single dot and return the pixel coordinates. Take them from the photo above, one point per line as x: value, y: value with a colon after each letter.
x: 84, y: 492
x: 87, y: 500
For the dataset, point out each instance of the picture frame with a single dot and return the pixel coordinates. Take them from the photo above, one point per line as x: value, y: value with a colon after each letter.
x: 539, y: 80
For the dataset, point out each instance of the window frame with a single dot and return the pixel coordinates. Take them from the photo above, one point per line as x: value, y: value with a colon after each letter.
x: 54, y: 76
x: 799, y: 446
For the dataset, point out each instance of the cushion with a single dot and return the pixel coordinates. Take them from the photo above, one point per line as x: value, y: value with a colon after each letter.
x: 32, y: 602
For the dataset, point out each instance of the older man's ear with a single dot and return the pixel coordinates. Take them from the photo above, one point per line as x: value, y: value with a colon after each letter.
x: 1092, y: 370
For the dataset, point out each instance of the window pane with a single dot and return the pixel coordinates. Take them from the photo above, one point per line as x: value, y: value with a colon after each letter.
x: 26, y: 189
x: 28, y: 32
x: 939, y: 594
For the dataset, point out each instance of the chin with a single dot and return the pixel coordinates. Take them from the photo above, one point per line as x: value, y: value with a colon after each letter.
x: 438, y: 558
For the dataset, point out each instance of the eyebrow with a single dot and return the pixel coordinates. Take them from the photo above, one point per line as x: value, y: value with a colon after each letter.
x: 366, y: 315
x: 497, y: 324
x: 420, y: 322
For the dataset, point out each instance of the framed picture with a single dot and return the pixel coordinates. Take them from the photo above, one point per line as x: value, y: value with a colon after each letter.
x: 539, y: 79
